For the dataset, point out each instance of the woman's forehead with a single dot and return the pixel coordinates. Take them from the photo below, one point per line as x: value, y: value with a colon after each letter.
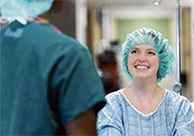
x: 143, y: 46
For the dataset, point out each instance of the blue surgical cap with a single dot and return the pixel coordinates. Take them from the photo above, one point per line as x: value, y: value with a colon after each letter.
x: 24, y: 8
x: 148, y: 36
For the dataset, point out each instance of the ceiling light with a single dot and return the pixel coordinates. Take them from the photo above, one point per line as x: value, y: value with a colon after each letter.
x: 157, y: 2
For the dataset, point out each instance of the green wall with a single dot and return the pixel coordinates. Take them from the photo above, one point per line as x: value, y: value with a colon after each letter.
x: 125, y: 26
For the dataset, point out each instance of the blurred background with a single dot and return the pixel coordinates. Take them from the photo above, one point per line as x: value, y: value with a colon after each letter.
x: 102, y: 25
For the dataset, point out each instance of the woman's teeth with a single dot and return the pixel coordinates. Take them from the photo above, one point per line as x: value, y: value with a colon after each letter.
x: 141, y: 67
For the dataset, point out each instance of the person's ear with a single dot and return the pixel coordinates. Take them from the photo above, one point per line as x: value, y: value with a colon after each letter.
x: 57, y: 5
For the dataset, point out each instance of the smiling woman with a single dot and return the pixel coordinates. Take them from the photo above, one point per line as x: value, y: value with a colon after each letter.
x: 154, y: 39
x: 145, y: 108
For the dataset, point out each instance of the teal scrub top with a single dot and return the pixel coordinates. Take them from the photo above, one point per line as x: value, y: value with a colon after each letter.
x: 47, y: 80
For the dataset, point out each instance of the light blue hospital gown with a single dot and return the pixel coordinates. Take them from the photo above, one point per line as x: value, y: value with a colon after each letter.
x: 173, y: 117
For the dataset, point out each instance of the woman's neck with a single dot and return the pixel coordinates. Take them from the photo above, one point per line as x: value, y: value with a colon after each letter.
x: 144, y: 86
x: 144, y: 96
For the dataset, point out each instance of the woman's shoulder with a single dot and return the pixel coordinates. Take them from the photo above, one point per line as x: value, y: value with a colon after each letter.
x: 114, y: 99
x: 174, y: 96
x: 113, y: 107
x: 175, y: 100
x: 114, y: 96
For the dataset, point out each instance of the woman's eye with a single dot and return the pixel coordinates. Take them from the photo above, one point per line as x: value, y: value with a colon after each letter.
x: 151, y: 53
x: 133, y: 52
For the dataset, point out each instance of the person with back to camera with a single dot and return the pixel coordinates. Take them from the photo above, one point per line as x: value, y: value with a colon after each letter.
x: 49, y: 84
x: 144, y: 108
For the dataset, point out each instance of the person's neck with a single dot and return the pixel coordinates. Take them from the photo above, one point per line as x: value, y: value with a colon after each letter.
x: 46, y: 16
x: 144, y: 87
x: 144, y: 95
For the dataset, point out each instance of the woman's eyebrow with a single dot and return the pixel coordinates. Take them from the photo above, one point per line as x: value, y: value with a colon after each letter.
x: 151, y: 50
x: 135, y: 48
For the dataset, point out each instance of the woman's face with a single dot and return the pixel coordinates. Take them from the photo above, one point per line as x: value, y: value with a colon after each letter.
x: 143, y: 62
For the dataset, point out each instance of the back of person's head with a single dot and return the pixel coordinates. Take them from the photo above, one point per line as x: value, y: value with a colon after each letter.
x: 24, y: 8
x: 27, y: 10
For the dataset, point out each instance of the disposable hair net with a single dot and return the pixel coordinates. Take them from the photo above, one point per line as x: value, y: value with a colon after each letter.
x: 156, y: 40
x: 24, y: 8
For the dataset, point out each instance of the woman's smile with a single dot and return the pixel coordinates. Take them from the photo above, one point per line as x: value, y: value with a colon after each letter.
x: 142, y: 67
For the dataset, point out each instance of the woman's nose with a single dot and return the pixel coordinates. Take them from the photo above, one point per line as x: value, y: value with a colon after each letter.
x: 142, y: 58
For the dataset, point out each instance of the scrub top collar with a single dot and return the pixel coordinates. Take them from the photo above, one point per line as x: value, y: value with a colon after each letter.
x: 24, y: 21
